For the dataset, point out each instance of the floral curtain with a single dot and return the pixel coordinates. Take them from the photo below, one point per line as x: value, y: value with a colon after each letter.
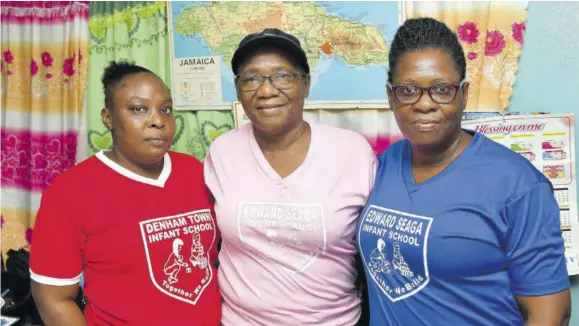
x: 137, y: 31
x: 44, y: 71
x: 492, y: 34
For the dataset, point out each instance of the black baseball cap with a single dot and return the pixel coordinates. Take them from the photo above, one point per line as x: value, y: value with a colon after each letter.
x: 270, y: 37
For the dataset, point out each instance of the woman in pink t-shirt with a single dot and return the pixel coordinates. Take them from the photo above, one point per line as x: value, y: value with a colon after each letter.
x: 288, y: 193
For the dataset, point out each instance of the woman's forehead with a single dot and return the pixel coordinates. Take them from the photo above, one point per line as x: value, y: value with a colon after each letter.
x: 141, y: 78
x: 266, y: 59
x: 141, y: 85
x: 426, y: 65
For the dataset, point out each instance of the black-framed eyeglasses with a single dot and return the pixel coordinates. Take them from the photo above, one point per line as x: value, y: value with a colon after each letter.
x: 280, y: 80
x: 439, y: 93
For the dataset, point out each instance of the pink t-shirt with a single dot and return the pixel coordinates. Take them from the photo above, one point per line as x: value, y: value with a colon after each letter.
x: 287, y: 253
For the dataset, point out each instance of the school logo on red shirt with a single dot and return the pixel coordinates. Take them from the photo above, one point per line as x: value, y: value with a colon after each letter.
x: 177, y: 250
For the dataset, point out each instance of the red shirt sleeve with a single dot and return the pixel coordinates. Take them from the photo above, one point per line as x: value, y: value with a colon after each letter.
x: 56, y: 250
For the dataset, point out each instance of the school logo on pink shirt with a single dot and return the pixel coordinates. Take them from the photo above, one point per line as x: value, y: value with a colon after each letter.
x: 291, y: 235
x: 178, y: 260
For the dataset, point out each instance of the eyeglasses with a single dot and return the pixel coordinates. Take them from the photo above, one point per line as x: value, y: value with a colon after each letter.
x: 439, y: 93
x: 280, y: 80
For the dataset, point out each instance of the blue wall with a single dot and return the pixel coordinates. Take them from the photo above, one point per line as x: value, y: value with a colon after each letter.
x: 548, y: 77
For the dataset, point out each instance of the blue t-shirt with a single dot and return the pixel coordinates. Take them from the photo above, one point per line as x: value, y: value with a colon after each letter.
x: 455, y: 249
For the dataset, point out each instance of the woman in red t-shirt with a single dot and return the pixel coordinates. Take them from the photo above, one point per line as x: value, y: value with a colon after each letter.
x: 137, y: 221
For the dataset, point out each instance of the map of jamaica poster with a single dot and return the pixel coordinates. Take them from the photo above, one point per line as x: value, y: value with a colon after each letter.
x: 346, y: 43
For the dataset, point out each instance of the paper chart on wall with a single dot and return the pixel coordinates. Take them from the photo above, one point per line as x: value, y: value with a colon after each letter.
x: 548, y: 142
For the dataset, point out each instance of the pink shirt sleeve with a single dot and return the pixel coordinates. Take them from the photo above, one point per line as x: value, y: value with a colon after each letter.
x: 373, y: 167
x: 211, y: 176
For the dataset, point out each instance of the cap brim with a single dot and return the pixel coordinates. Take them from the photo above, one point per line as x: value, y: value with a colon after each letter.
x: 269, y: 40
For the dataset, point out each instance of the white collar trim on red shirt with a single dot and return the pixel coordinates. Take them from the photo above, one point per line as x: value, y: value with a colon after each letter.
x: 159, y: 182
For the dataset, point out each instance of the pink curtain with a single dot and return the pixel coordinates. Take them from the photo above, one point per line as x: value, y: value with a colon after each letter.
x: 44, y: 72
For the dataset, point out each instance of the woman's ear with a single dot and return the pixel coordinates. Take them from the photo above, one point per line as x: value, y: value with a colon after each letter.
x: 465, y: 88
x: 390, y: 96
x: 107, y: 118
x: 307, y: 83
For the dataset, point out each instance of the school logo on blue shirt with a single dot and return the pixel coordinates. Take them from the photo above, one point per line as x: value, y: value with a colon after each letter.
x: 394, y: 250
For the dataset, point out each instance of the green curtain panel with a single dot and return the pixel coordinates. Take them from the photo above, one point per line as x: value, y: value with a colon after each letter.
x: 137, y: 31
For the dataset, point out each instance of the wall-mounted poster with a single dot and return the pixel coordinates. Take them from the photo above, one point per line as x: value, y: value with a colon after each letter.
x: 346, y: 42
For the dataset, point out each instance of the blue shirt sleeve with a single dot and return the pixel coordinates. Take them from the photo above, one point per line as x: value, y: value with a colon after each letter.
x: 534, y: 245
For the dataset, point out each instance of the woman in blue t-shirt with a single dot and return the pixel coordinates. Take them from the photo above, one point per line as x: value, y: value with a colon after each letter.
x: 459, y: 230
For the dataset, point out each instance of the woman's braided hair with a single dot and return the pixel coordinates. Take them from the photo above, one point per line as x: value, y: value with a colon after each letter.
x: 418, y: 34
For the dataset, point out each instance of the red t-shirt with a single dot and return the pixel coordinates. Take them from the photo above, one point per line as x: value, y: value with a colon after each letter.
x: 147, y: 247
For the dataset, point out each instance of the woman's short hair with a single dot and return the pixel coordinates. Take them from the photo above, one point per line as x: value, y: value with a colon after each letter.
x: 114, y: 74
x: 418, y: 34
